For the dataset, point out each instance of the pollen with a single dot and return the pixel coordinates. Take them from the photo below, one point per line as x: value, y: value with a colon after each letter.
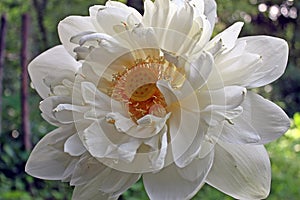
x: 136, y: 87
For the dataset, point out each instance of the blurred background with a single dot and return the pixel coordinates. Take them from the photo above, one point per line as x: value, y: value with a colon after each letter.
x: 31, y: 28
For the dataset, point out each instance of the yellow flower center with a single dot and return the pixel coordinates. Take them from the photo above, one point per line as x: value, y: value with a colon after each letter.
x: 136, y: 87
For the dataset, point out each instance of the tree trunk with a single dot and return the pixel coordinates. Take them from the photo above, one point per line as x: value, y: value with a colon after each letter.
x: 24, y: 83
x: 40, y: 7
x: 2, y: 56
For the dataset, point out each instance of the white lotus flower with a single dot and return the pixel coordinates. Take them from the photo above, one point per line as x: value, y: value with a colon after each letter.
x: 151, y: 96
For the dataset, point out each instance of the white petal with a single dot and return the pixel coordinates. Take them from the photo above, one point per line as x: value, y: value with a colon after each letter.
x: 146, y: 127
x: 184, y: 128
x: 98, y: 100
x: 239, y: 132
x: 160, y: 15
x: 74, y: 146
x: 102, y: 140
x: 53, y: 65
x: 56, y: 117
x: 71, y: 26
x: 148, y: 13
x: 200, y: 70
x: 241, y: 171
x: 198, y: 168
x: 48, y: 160
x: 178, y: 29
x: 274, y: 54
x: 169, y: 184
x: 106, y: 184
x: 184, y: 123
x: 210, y: 10
x: 93, y: 10
x: 222, y: 104
x: 150, y: 160
x: 111, y: 16
x: 228, y: 37
x: 263, y: 118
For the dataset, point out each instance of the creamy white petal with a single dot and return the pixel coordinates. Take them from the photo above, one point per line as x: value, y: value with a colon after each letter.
x: 93, y: 10
x: 169, y: 184
x: 200, y: 70
x: 71, y: 26
x: 108, y: 17
x: 211, y: 12
x: 102, y: 140
x: 74, y: 146
x: 184, y: 128
x: 274, y: 55
x: 99, y: 101
x: 263, y: 118
x: 241, y: 171
x: 241, y: 65
x: 198, y: 168
x: 48, y: 159
x: 178, y: 29
x: 148, y: 13
x: 239, y: 132
x: 56, y: 117
x: 145, y: 127
x: 228, y: 37
x: 145, y: 161
x: 106, y: 184
x: 222, y: 104
x: 45, y: 71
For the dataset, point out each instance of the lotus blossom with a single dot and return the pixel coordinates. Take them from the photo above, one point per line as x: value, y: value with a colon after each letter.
x: 153, y: 97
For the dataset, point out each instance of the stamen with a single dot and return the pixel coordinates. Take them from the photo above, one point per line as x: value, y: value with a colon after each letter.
x: 136, y: 86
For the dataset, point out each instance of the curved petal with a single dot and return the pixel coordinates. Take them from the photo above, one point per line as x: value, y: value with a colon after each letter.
x: 200, y: 70
x: 176, y: 183
x: 48, y: 159
x: 178, y: 29
x: 111, y: 16
x: 261, y: 120
x: 146, y: 127
x: 74, y: 146
x: 71, y: 26
x: 102, y: 140
x: 228, y: 37
x: 50, y: 68
x: 107, y: 183
x: 241, y: 171
x: 210, y: 10
x: 150, y: 157
x: 274, y: 55
x: 198, y: 168
x: 184, y: 122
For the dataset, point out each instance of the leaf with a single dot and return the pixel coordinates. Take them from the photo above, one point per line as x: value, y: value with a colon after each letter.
x: 297, y: 119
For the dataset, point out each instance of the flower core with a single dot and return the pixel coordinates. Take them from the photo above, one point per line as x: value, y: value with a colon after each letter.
x: 136, y: 86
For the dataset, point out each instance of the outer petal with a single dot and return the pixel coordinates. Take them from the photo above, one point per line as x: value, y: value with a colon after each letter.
x: 241, y: 171
x: 210, y: 10
x: 177, y: 183
x: 71, y: 26
x: 55, y: 65
x: 109, y: 17
x: 48, y: 160
x: 228, y: 37
x: 274, y: 55
x: 261, y: 120
x: 107, y: 183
